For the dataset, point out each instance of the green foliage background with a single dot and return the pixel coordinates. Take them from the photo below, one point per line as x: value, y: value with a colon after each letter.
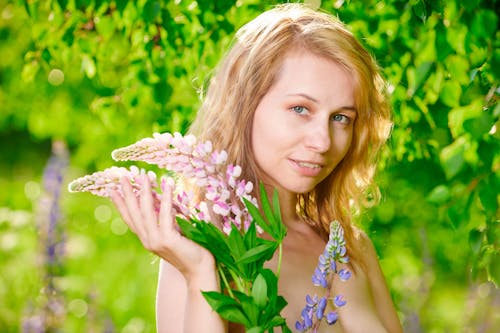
x: 100, y: 74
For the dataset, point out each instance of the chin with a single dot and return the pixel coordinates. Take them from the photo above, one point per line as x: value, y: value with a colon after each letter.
x: 301, y: 189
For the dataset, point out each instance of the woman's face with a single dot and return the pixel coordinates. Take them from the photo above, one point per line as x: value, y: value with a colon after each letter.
x: 303, y: 126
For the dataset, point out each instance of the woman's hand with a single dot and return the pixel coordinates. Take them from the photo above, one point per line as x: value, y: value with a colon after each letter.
x: 157, y: 231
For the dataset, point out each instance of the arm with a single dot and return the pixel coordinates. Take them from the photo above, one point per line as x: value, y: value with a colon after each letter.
x: 190, y: 266
x: 170, y: 299
x: 369, y: 305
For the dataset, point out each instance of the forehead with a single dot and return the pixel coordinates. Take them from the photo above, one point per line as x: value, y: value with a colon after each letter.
x: 308, y: 73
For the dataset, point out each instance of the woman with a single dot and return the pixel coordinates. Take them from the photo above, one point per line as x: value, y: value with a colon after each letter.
x: 299, y: 104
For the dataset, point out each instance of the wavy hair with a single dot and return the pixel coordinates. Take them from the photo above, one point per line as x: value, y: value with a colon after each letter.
x: 247, y: 73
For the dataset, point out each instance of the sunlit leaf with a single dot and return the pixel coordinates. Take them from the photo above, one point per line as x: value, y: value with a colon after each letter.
x: 439, y: 194
x: 450, y: 93
x: 458, y: 67
x: 475, y: 240
x: 484, y: 23
x: 259, y: 291
x: 452, y: 159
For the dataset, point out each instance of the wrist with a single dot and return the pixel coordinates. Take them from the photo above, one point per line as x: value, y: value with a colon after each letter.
x: 204, y: 277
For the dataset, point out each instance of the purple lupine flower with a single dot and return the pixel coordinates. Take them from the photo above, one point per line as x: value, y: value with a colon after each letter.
x: 319, y: 278
x: 299, y: 326
x: 307, y: 316
x: 335, y: 252
x: 339, y: 301
x: 344, y: 274
x: 332, y: 317
x: 320, y: 311
x: 50, y: 315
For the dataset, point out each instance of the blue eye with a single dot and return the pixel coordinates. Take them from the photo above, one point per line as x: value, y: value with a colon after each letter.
x: 343, y: 119
x: 299, y: 109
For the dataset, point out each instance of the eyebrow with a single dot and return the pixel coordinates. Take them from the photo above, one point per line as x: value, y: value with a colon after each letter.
x: 306, y: 96
x: 312, y: 99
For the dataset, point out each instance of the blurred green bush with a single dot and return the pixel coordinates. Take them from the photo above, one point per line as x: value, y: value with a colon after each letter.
x: 94, y: 75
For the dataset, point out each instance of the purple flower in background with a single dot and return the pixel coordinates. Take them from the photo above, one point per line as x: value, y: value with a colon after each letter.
x: 50, y: 315
x: 335, y: 252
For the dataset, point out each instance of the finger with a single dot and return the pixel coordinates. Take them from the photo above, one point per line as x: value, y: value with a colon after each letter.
x: 120, y: 205
x: 147, y: 207
x: 166, y: 211
x: 133, y: 207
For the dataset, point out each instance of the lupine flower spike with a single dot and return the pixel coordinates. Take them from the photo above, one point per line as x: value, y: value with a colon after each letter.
x: 196, y: 163
x: 335, y: 252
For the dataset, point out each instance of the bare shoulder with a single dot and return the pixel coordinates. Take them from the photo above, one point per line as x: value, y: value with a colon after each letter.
x: 370, y: 280
x: 367, y: 248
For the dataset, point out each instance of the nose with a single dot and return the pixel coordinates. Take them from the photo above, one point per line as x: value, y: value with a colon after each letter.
x: 318, y: 138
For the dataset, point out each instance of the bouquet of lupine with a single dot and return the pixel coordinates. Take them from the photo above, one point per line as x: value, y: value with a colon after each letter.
x: 249, y: 294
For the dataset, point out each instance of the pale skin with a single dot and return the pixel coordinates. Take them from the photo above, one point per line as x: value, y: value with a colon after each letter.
x: 302, y: 129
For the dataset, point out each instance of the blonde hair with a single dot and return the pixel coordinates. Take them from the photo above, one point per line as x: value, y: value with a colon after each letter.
x: 247, y: 73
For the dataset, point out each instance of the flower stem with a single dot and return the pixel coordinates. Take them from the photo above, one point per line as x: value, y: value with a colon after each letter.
x: 224, y: 279
x: 280, y: 256
x: 237, y: 281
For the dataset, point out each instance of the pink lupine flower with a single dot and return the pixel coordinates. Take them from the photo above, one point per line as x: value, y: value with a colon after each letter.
x: 196, y: 163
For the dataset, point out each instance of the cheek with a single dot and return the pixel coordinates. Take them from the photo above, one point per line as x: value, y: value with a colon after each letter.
x: 259, y: 137
x: 342, y: 142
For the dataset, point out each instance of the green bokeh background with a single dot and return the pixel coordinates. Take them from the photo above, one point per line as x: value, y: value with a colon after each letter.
x: 94, y: 75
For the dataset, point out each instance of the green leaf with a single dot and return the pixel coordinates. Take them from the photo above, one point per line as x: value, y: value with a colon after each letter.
x: 105, y: 26
x: 218, y: 300
x: 227, y: 307
x: 256, y: 329
x: 488, y: 195
x: 280, y: 303
x: 257, y: 216
x: 266, y: 205
x: 458, y: 116
x: 259, y: 291
x: 30, y: 71
x: 484, y: 23
x: 439, y: 195
x: 480, y: 125
x: 250, y: 236
x: 450, y: 93
x: 272, y: 293
x: 458, y: 67
x: 235, y: 243
x: 276, y: 321
x: 63, y: 4
x: 452, y: 158
x: 151, y: 11
x: 234, y: 314
x: 475, y: 240
x: 211, y: 238
x: 420, y: 10
x: 162, y: 92
x: 280, y: 226
x: 263, y: 251
x: 423, y: 71
x: 190, y: 231
x: 456, y: 35
x: 250, y: 308
x: 88, y: 66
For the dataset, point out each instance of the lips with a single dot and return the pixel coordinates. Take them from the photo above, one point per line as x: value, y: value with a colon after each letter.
x: 308, y: 165
x: 307, y: 168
